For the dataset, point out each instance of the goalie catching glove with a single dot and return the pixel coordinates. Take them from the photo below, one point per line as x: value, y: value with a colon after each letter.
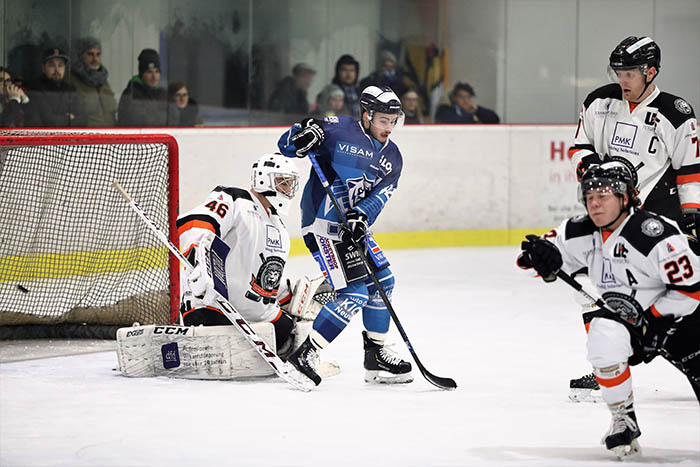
x: 306, y: 298
x: 200, y: 279
x: 542, y: 255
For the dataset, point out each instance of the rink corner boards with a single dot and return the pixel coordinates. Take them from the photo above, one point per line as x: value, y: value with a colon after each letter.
x: 440, y: 239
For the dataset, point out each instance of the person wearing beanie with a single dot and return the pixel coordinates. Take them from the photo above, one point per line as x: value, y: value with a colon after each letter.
x: 386, y: 74
x: 330, y: 102
x: 53, y: 101
x: 144, y: 103
x: 347, y: 70
x: 89, y: 76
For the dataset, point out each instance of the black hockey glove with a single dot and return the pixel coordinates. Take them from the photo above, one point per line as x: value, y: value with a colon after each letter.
x: 655, y: 333
x: 690, y: 222
x: 309, y: 137
x: 543, y: 255
x: 356, y: 228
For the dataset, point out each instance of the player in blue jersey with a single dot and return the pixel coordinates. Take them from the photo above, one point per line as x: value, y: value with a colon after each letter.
x: 363, y: 168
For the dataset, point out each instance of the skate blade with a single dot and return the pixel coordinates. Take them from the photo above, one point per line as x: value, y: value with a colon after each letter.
x: 585, y: 395
x: 627, y: 452
x: 328, y: 369
x: 384, y: 377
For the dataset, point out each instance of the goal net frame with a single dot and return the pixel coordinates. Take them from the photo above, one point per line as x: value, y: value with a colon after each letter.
x: 59, y: 328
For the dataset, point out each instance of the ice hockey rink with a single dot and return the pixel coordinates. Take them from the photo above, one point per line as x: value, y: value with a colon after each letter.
x: 511, y: 342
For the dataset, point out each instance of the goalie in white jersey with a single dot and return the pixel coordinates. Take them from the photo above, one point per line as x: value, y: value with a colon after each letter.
x: 643, y: 266
x: 249, y: 222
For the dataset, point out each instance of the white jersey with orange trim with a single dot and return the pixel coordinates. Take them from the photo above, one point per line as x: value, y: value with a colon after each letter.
x: 646, y: 258
x: 259, y: 245
x: 658, y: 137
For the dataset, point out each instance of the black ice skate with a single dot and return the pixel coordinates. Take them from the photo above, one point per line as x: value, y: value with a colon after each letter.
x: 585, y: 389
x: 383, y: 366
x: 622, y: 436
x: 305, y: 359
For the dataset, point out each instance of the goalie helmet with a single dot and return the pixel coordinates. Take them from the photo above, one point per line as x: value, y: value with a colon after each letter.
x: 277, y: 178
x: 615, y: 176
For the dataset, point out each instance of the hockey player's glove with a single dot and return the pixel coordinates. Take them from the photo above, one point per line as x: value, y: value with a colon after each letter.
x: 690, y: 222
x: 309, y: 137
x: 655, y: 333
x: 542, y: 255
x: 356, y: 229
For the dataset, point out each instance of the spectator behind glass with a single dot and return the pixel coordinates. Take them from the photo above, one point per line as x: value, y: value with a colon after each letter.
x: 347, y: 71
x: 330, y: 102
x: 53, y: 101
x: 144, y: 102
x: 89, y: 76
x: 463, y: 109
x: 289, y: 96
x: 387, y: 74
x: 13, y: 101
x: 411, y: 109
x: 186, y: 107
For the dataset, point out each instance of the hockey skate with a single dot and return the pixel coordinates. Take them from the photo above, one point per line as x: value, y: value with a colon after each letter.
x: 585, y: 389
x: 305, y: 359
x: 383, y: 366
x: 622, y: 436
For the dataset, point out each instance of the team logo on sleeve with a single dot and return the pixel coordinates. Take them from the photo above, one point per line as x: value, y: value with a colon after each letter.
x: 652, y: 227
x: 682, y: 106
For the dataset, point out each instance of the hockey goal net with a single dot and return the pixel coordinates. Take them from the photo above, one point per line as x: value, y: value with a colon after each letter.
x: 74, y: 257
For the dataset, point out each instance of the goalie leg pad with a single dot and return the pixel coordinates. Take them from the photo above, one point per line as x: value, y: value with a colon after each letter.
x: 202, y: 352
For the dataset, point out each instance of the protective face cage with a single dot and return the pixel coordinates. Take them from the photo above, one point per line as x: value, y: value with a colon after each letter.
x: 277, y: 178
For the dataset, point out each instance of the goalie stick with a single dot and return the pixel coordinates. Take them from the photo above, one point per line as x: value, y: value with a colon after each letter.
x: 442, y: 383
x: 284, y: 370
x: 635, y: 332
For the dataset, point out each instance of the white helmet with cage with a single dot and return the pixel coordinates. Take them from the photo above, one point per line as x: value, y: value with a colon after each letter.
x: 277, y: 178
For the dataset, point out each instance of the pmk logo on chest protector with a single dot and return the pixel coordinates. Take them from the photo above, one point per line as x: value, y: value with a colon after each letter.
x: 624, y: 135
x: 273, y: 237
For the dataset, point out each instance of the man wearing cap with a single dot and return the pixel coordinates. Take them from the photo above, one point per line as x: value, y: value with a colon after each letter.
x: 386, y: 74
x: 463, y: 109
x: 54, y: 102
x: 89, y: 76
x: 144, y: 102
x: 289, y: 96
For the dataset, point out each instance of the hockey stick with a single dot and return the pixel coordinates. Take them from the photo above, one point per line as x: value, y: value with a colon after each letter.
x: 632, y: 330
x: 284, y: 370
x: 442, y: 383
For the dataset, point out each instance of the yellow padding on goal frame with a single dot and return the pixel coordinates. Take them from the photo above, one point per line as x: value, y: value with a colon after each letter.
x: 440, y: 239
x: 60, y: 265
x: 80, y: 263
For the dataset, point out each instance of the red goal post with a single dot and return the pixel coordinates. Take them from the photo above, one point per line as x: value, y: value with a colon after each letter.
x: 74, y: 258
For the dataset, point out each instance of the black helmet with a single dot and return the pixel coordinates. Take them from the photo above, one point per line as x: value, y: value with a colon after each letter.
x: 635, y: 52
x: 615, y: 175
x: 380, y: 99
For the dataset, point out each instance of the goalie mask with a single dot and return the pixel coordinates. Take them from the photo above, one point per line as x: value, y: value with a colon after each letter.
x: 276, y: 177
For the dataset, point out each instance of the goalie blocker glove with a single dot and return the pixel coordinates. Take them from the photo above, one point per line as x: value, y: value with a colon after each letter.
x: 542, y: 255
x: 309, y: 137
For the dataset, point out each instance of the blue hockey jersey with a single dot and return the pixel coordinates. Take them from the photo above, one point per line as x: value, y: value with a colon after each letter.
x: 362, y: 173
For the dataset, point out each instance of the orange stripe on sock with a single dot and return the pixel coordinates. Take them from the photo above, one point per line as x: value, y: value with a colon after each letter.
x: 610, y: 382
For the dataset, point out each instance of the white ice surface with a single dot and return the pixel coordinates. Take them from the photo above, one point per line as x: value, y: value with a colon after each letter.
x: 512, y: 343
